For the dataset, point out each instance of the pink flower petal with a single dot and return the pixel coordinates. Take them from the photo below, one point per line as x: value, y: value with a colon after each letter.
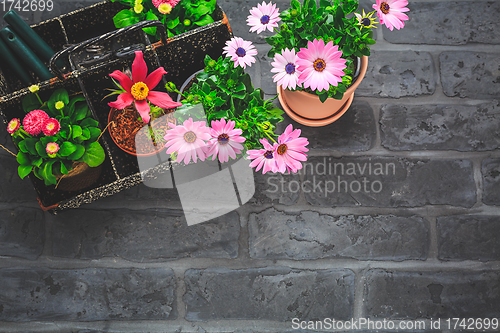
x: 139, y: 68
x: 154, y: 78
x: 124, y: 81
x: 163, y: 100
x: 143, y: 109
x: 123, y: 100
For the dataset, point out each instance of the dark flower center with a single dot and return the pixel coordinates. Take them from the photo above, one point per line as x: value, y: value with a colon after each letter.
x: 384, y: 7
x: 190, y: 137
x: 365, y: 22
x: 319, y: 65
x: 240, y: 52
x: 282, y: 148
x: 264, y: 19
x: 290, y: 68
x: 223, y: 139
x: 268, y: 154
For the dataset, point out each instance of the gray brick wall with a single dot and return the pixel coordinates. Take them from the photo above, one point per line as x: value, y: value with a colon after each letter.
x: 419, y: 240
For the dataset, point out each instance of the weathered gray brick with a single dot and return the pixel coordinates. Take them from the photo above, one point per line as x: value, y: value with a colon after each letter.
x: 309, y: 235
x: 22, y: 232
x: 12, y: 188
x: 398, y: 74
x: 273, y: 293
x: 384, y: 182
x: 266, y: 192
x: 469, y: 237
x: 146, y: 235
x: 89, y: 294
x: 420, y: 295
x: 449, y: 23
x: 470, y: 74
x: 440, y: 127
x: 354, y: 131
x: 491, y: 181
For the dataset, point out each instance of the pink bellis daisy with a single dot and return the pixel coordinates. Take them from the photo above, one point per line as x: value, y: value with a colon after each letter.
x: 290, y: 150
x: 51, y: 126
x: 33, y: 122
x: 390, y: 13
x: 285, y: 65
x: 226, y: 140
x: 52, y: 148
x: 262, y: 17
x: 139, y: 89
x: 188, y: 140
x: 320, y: 65
x: 172, y: 3
x: 242, y: 52
x: 263, y: 158
x: 13, y: 125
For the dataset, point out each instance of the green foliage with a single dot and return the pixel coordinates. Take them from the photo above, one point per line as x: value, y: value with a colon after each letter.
x: 332, y: 20
x: 77, y: 138
x: 227, y: 92
x: 185, y: 16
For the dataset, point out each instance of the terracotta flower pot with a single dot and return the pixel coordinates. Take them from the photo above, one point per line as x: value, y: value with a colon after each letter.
x: 127, y: 132
x: 307, y: 109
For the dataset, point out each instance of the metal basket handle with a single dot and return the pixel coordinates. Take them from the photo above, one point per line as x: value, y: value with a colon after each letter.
x: 144, y: 24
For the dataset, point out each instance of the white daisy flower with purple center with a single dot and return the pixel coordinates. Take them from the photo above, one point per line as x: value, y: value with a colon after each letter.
x: 265, y: 16
x: 242, y: 52
x: 285, y: 65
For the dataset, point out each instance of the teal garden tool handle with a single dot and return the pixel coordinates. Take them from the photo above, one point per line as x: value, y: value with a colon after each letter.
x: 9, y: 60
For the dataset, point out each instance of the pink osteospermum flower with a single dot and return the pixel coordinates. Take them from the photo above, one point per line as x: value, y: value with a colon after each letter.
x: 242, y: 52
x: 290, y: 150
x: 188, y: 140
x: 390, y: 13
x: 226, y: 141
x: 263, y: 17
x: 263, y: 158
x: 172, y: 3
x: 51, y: 126
x: 52, y: 148
x: 320, y: 65
x: 33, y: 122
x: 285, y: 65
x: 13, y: 125
x: 139, y: 89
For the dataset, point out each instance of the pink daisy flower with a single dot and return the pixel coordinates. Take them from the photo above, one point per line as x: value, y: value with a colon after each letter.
x: 52, y: 148
x: 13, y: 125
x: 320, y: 65
x: 51, y: 127
x: 290, y: 150
x: 140, y: 89
x: 285, y: 65
x: 172, y: 3
x: 263, y: 158
x: 226, y: 141
x: 188, y: 140
x: 390, y: 13
x: 33, y: 122
x: 263, y: 16
x: 241, y: 52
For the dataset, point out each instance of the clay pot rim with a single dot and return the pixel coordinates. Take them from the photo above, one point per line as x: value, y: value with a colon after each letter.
x: 111, y: 113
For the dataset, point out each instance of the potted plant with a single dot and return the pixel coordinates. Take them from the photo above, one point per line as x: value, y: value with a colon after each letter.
x: 321, y: 52
x: 177, y: 16
x: 57, y: 140
x: 238, y: 117
x: 137, y: 106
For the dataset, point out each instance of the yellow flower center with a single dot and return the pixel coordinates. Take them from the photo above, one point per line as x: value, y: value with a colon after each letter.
x: 59, y: 105
x: 51, y: 126
x: 138, y: 8
x: 139, y: 91
x: 34, y: 88
x: 190, y: 137
x: 319, y: 65
x: 165, y: 8
x: 282, y: 149
x: 384, y: 7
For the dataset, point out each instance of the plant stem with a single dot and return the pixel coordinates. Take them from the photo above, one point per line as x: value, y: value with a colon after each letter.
x: 41, y: 103
x: 270, y: 137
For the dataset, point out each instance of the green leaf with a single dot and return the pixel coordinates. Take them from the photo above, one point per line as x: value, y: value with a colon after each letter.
x: 77, y: 131
x: 47, y: 174
x: 58, y: 95
x: 30, y: 103
x: 94, y: 133
x: 94, y: 154
x: 22, y: 146
x: 150, y: 16
x: 323, y: 97
x: 67, y: 148
x: 126, y: 17
x: 24, y: 170
x: 37, y: 162
x: 207, y: 19
x: 23, y: 159
x: 81, y: 112
x: 64, y: 170
x: 77, y: 154
x: 40, y: 149
x: 89, y: 122
x: 71, y: 106
x: 171, y: 24
x: 85, y: 134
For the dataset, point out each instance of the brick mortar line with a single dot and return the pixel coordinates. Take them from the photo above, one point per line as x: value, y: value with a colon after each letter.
x: 423, y: 154
x: 423, y: 100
